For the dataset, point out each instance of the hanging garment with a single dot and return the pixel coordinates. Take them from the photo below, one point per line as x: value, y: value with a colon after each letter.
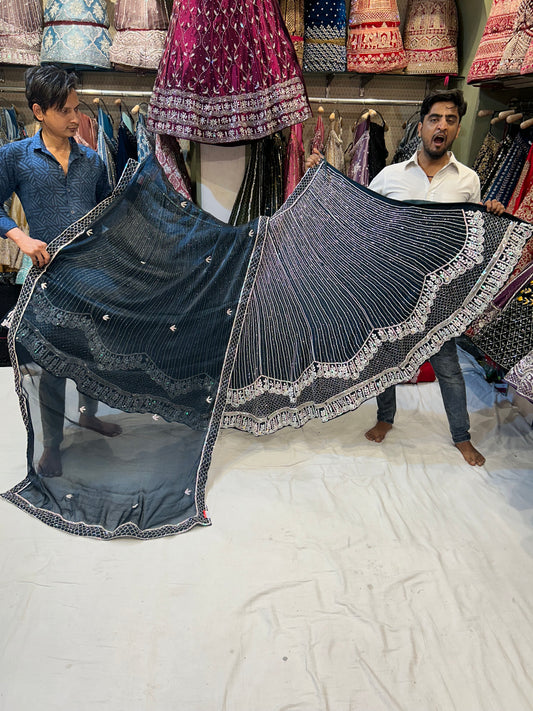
x: 507, y: 177
x: 170, y: 157
x: 21, y: 29
x: 377, y: 151
x: 503, y: 150
x: 306, y: 316
x: 76, y: 33
x: 141, y: 27
x: 317, y: 142
x: 261, y: 191
x: 228, y: 73
x: 430, y: 37
x: 334, y: 150
x: 357, y: 152
x: 518, y: 44
x: 524, y: 183
x: 87, y: 132
x: 486, y: 157
x: 527, y: 64
x: 145, y: 140
x: 508, y: 336
x: 325, y: 36
x: 294, y: 160
x: 521, y: 377
x: 498, y: 31
x: 292, y: 12
x: 374, y: 40
x: 126, y: 147
x: 410, y: 141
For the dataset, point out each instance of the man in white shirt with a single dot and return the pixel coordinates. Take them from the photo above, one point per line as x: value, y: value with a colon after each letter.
x: 433, y: 174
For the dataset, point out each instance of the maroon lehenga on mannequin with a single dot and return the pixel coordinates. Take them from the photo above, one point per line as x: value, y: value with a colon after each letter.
x: 228, y: 73
x: 21, y: 29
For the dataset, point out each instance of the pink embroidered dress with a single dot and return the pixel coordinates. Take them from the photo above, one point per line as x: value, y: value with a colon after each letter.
x: 141, y: 27
x: 21, y: 29
x: 498, y: 31
x: 517, y: 47
x: 430, y: 37
x: 228, y: 73
x: 374, y: 41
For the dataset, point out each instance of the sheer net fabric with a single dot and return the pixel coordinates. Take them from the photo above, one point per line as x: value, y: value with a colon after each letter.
x: 170, y: 323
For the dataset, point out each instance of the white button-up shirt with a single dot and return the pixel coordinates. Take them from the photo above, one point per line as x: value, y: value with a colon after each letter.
x: 407, y: 181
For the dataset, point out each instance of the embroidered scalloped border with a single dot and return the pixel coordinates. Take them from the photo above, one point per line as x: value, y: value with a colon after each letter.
x: 496, y: 273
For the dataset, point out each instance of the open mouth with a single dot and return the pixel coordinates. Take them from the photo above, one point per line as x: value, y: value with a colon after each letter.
x: 439, y: 141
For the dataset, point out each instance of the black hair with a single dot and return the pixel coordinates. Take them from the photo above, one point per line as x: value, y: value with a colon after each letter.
x: 49, y: 86
x: 454, y: 96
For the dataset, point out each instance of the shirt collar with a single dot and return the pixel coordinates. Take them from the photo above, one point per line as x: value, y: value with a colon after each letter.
x: 37, y: 144
x: 413, y: 160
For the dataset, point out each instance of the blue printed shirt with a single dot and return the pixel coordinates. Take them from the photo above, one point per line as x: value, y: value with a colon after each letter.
x: 51, y: 200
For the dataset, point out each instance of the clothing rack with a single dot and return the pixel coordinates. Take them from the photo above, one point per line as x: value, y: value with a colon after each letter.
x: 81, y: 91
x: 313, y: 99
x: 365, y: 101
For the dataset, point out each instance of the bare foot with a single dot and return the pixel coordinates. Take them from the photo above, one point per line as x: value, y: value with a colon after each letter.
x: 108, y: 429
x: 50, y: 462
x: 470, y: 453
x: 378, y: 432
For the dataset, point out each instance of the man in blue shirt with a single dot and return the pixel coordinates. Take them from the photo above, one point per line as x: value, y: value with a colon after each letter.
x: 58, y: 182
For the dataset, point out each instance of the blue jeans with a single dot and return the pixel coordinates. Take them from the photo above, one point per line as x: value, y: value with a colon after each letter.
x: 453, y: 390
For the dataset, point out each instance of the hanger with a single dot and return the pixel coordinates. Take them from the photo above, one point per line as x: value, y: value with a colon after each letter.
x: 415, y: 114
x: 372, y: 114
x: 526, y: 124
x: 143, y: 108
x: 88, y: 106
x: 97, y: 100
x: 514, y: 118
x: 502, y: 115
x: 122, y: 106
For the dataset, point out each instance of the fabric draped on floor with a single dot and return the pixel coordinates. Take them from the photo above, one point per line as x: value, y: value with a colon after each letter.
x: 182, y: 324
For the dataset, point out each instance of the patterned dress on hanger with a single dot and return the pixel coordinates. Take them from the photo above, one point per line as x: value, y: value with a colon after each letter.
x: 357, y: 152
x: 333, y: 150
x: 292, y: 12
x: 261, y: 191
x: 507, y: 177
x: 410, y: 141
x: 430, y: 37
x: 21, y: 29
x: 374, y: 40
x: 317, y: 142
x: 497, y: 32
x: 141, y: 27
x: 294, y: 160
x: 486, y: 156
x: 325, y: 36
x: 76, y: 33
x: 229, y: 73
x: 170, y: 157
x: 527, y: 64
x: 516, y: 48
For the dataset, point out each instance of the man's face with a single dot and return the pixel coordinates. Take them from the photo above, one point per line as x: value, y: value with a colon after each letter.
x: 439, y: 129
x: 61, y: 123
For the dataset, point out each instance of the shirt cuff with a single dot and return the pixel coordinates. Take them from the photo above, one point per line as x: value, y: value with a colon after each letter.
x: 6, y: 224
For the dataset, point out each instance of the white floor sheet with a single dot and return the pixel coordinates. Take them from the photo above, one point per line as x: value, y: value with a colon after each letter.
x: 338, y: 575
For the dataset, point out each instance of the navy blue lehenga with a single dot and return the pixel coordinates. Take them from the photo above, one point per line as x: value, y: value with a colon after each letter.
x: 179, y: 324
